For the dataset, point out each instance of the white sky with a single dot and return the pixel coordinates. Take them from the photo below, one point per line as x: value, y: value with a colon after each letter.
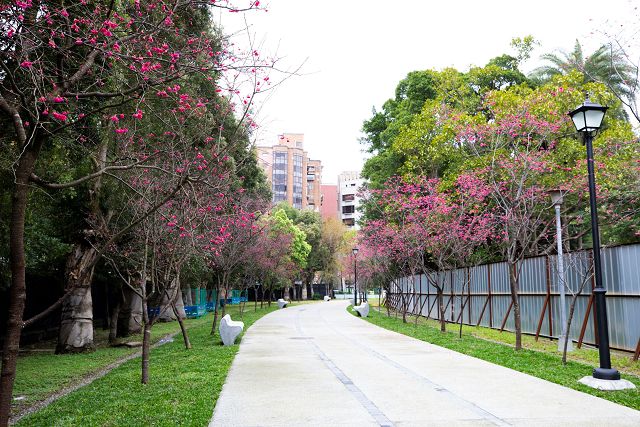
x: 355, y: 52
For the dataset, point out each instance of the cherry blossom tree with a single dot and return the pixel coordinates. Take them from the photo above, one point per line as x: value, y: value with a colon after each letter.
x: 83, y: 73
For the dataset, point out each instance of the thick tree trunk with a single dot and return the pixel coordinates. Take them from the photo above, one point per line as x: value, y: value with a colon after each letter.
x: 172, y: 294
x: 76, y: 325
x: 17, y: 291
x: 188, y: 300
x: 113, y: 322
x: 130, y: 318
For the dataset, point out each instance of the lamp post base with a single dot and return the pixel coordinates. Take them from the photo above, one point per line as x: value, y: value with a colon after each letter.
x: 606, y: 374
x: 607, y: 385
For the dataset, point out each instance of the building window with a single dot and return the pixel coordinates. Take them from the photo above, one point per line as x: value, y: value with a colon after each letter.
x: 348, y: 209
x: 349, y: 222
x: 348, y: 197
x: 297, y: 181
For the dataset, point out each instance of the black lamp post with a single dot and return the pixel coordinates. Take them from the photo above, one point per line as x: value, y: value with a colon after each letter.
x: 355, y: 276
x: 587, y: 119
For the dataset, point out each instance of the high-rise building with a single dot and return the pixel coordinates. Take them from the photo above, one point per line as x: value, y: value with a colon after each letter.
x: 294, y: 177
x: 349, y: 184
x: 329, y: 197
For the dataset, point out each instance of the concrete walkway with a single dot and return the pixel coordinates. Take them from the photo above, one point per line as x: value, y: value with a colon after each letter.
x: 317, y: 365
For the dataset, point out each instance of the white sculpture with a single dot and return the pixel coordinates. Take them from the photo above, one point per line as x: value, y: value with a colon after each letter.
x: 230, y: 329
x: 282, y: 303
x: 327, y: 298
x: 362, y: 309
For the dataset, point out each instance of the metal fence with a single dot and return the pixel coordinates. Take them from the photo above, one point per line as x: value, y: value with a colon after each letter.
x: 480, y: 296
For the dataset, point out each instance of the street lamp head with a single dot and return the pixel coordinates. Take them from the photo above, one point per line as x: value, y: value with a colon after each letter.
x: 354, y: 251
x: 556, y: 197
x: 588, y: 117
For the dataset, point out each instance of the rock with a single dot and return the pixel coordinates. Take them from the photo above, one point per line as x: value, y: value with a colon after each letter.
x: 327, y: 298
x: 362, y: 309
x: 229, y: 330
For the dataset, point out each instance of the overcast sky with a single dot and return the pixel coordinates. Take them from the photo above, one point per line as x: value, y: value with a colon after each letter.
x: 355, y: 52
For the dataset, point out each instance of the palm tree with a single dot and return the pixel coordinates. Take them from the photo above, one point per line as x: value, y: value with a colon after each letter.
x: 606, y: 65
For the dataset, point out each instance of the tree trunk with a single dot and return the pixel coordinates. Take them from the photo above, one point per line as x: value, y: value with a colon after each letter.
x: 17, y: 291
x: 185, y: 336
x: 146, y: 350
x: 172, y: 294
x: 572, y: 307
x: 130, y: 319
x: 188, y: 300
x: 262, y: 300
x: 113, y: 322
x: 76, y: 325
x: 441, y: 309
x: 513, y: 284
x: 215, y: 311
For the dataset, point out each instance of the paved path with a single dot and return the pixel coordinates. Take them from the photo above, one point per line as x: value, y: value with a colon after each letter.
x: 316, y: 365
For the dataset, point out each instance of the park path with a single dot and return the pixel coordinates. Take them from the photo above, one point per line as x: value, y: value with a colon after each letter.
x: 317, y: 365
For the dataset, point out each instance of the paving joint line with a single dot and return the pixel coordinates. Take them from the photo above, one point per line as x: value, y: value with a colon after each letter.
x: 362, y: 398
x: 437, y: 387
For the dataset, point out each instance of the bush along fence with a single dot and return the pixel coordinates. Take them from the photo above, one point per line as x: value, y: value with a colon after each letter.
x: 480, y: 296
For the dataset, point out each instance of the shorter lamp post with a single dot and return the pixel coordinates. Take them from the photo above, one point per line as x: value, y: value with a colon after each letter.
x: 355, y: 276
x: 587, y: 119
x: 557, y: 199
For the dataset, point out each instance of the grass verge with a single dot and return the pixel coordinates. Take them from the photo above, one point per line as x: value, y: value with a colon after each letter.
x: 536, y: 362
x: 183, y: 388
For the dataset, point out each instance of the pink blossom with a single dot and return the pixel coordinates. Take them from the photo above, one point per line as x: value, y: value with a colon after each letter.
x: 60, y: 116
x: 26, y: 64
x: 122, y: 130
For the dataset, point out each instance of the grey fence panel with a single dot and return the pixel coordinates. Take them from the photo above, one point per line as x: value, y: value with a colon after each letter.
x: 483, y: 295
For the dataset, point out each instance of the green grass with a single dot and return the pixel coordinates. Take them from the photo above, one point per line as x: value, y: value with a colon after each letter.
x: 183, y: 386
x: 537, y: 362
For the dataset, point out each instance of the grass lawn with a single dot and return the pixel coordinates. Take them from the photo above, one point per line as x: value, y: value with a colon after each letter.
x: 537, y: 358
x: 183, y: 388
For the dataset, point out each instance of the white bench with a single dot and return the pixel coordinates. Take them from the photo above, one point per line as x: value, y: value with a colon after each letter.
x: 282, y: 303
x: 229, y: 330
x: 327, y: 298
x: 362, y: 309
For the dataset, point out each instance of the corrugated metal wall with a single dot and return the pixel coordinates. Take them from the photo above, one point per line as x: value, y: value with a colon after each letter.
x: 481, y: 295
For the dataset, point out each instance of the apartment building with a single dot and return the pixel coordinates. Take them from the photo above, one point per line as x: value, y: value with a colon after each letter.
x: 329, y: 198
x: 294, y: 177
x: 349, y: 183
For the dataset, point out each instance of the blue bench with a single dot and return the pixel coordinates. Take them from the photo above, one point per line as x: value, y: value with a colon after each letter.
x: 153, y: 312
x: 195, y: 311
